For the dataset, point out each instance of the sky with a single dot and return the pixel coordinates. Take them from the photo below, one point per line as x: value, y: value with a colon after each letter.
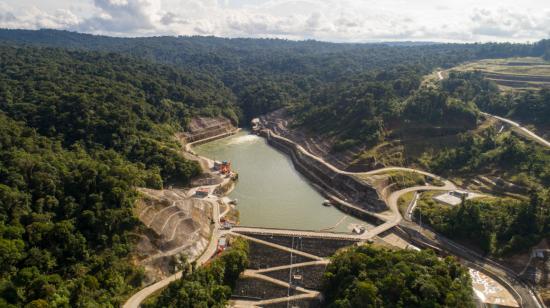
x: 325, y: 20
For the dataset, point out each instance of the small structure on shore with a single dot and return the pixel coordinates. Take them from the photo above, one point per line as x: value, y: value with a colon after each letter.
x: 202, y: 192
x: 327, y: 202
x: 454, y: 197
x: 358, y: 229
x: 222, y: 244
x: 223, y: 167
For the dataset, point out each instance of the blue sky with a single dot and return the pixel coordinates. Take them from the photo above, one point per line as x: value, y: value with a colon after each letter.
x: 327, y: 20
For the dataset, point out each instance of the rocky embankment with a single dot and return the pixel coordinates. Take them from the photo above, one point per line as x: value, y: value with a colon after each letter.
x: 175, y: 223
x: 203, y: 128
x: 332, y: 182
x: 279, y: 121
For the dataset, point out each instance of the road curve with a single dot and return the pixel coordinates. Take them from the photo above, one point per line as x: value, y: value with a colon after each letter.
x: 529, y: 133
x: 137, y: 298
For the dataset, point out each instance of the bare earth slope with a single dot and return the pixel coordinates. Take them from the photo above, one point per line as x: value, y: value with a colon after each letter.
x: 175, y: 223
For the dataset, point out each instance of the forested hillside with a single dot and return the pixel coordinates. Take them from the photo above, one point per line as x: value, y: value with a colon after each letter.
x: 64, y: 218
x: 367, y: 276
x: 78, y: 132
x: 267, y: 74
x: 102, y: 100
x: 208, y: 286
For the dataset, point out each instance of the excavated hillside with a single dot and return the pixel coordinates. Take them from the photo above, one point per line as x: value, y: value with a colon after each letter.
x: 176, y: 223
x: 279, y: 122
x: 206, y: 127
x: 404, y: 143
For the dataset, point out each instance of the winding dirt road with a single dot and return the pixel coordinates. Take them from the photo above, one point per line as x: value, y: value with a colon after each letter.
x: 524, y: 130
x: 137, y: 298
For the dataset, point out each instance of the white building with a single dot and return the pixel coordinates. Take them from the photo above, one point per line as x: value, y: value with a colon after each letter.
x: 453, y: 197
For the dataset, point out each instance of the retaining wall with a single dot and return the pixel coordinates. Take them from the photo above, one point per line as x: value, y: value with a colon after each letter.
x: 331, y: 182
x: 262, y: 256
x: 311, y: 276
x: 317, y: 246
x: 257, y: 289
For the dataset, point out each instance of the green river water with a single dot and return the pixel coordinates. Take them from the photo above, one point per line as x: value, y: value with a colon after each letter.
x: 270, y: 192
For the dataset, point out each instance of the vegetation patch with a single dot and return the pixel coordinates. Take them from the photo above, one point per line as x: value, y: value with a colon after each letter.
x: 405, y: 179
x: 404, y: 201
x: 207, y: 286
x: 366, y: 276
x: 496, y: 226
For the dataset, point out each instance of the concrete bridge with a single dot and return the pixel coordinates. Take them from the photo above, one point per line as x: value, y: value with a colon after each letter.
x: 366, y: 235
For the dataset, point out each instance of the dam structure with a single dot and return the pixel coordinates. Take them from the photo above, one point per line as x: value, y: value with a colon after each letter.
x: 291, y: 233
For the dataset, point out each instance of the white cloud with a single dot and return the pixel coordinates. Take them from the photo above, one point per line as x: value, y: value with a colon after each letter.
x: 123, y: 16
x: 34, y: 18
x: 333, y: 20
x: 504, y: 23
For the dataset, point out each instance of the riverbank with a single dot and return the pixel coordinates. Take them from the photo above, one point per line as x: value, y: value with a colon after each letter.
x: 341, y: 188
x: 271, y: 192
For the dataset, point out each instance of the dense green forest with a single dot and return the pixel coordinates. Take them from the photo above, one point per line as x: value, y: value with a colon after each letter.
x: 366, y: 276
x: 78, y: 132
x: 109, y: 101
x: 498, y: 227
x: 65, y: 215
x: 355, y: 91
x: 266, y: 74
x: 208, y: 286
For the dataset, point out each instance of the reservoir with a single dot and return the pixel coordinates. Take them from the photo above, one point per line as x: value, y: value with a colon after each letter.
x: 270, y: 192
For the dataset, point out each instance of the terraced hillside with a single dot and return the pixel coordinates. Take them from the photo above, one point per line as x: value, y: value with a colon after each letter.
x: 513, y: 73
x: 205, y: 127
x: 175, y: 223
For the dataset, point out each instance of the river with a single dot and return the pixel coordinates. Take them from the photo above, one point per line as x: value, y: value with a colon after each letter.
x: 270, y: 192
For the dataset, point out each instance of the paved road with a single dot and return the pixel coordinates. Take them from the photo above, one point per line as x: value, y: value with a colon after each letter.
x: 294, y: 265
x: 528, y: 133
x: 137, y: 298
x: 506, y: 277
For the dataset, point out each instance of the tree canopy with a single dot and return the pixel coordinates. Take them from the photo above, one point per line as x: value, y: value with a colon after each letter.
x: 366, y: 276
x: 208, y: 286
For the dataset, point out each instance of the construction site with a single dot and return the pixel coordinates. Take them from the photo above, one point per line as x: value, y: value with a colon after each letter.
x: 287, y: 260
x: 179, y: 221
